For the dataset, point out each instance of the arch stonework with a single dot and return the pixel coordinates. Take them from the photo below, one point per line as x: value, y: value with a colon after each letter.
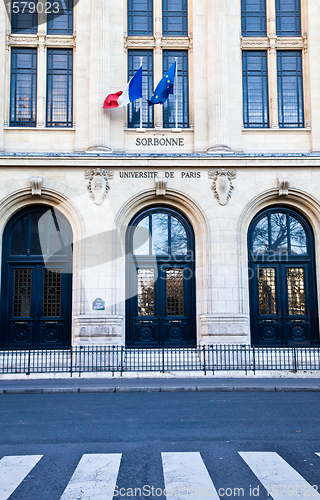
x: 297, y: 200
x: 189, y: 208
x: 58, y: 196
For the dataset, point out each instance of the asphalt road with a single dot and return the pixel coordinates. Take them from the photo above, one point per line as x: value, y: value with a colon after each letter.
x: 141, y: 426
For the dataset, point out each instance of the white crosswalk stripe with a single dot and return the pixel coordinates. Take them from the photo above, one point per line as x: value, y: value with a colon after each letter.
x: 94, y: 478
x: 13, y: 470
x: 186, y: 476
x: 277, y: 476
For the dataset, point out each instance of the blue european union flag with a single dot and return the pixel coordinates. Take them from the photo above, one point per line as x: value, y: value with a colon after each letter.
x: 164, y: 87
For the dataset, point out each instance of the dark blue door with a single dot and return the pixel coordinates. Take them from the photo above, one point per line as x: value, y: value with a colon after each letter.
x: 36, y: 280
x: 160, y: 306
x: 283, y: 294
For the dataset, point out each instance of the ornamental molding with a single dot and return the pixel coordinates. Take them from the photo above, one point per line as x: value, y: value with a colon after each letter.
x: 98, y: 185
x: 274, y: 42
x: 161, y: 185
x: 283, y: 186
x: 222, y: 184
x: 36, y: 184
x: 156, y: 41
x: 41, y: 39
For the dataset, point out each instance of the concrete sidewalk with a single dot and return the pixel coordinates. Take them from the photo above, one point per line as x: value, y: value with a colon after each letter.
x: 82, y: 385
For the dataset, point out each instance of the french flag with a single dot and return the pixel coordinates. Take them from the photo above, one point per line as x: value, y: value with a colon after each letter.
x: 132, y: 92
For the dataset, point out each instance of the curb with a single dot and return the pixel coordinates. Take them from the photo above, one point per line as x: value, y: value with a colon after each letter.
x: 83, y: 390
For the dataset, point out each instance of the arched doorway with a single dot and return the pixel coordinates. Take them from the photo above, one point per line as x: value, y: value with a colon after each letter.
x: 160, y: 305
x: 282, y: 279
x: 36, y: 279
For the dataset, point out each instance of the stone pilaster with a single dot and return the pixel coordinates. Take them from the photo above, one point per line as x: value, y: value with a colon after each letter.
x: 99, y: 86
x: 218, y: 106
x: 157, y: 59
x: 272, y: 65
x: 4, y: 61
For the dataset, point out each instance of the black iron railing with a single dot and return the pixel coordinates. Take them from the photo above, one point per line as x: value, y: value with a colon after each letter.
x: 207, y: 358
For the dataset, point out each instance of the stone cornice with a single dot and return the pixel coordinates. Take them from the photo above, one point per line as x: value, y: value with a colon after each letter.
x: 157, y: 162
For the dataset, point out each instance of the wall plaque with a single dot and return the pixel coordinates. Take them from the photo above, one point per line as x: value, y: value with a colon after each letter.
x: 98, y: 305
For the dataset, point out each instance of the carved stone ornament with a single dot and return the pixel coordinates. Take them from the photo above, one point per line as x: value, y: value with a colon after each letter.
x: 283, y: 185
x: 98, y: 185
x: 161, y: 185
x: 36, y: 185
x: 222, y: 184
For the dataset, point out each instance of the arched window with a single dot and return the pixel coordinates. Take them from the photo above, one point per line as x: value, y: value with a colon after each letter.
x: 282, y: 279
x: 160, y: 307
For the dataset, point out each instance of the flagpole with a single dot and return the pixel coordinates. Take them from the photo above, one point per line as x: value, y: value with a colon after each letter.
x: 176, y: 129
x: 141, y: 129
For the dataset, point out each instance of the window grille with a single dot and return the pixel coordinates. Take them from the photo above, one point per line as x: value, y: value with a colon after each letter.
x: 169, y: 107
x: 61, y: 24
x: 23, y: 87
x: 288, y: 17
x: 255, y: 89
x: 24, y: 16
x: 140, y: 17
x: 290, y: 89
x: 174, y: 17
x: 59, y: 88
x: 147, y: 88
x: 253, y: 18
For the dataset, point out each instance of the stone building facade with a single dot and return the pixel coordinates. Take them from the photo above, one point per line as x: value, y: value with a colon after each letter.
x: 229, y: 191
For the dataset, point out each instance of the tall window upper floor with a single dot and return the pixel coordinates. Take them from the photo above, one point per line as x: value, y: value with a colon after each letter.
x: 167, y: 22
x: 41, y: 76
x: 273, y: 53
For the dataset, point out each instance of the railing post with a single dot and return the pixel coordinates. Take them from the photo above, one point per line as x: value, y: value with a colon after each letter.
x: 295, y: 359
x: 162, y: 359
x: 121, y: 357
x: 29, y: 356
x: 71, y: 361
x: 254, y: 360
x: 204, y: 360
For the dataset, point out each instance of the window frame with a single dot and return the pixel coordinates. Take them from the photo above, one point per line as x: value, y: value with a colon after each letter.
x: 300, y: 97
x: 166, y: 13
x: 265, y: 90
x: 246, y: 15
x: 184, y: 72
x: 70, y: 18
x: 147, y: 76
x: 50, y: 102
x: 130, y: 15
x: 281, y: 14
x: 33, y: 71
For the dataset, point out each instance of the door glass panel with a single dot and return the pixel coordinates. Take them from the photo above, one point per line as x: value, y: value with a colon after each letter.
x: 296, y: 291
x: 22, y: 293
x: 279, y: 233
x: 52, y: 293
x: 174, y: 289
x: 298, y: 238
x: 267, y: 291
x: 160, y: 233
x: 146, y: 295
x: 261, y: 237
x: 19, y: 239
x: 35, y: 247
x: 141, y: 238
x: 178, y: 238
